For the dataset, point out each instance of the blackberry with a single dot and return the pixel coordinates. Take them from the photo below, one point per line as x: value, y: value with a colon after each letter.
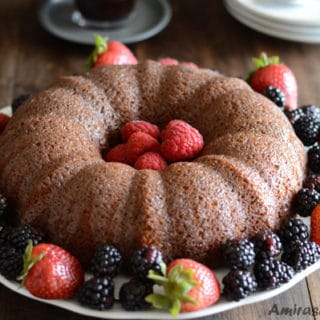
x: 4, y: 234
x: 238, y: 284
x: 97, y: 293
x: 20, y: 236
x: 292, y: 230
x: 271, y: 273
x: 132, y: 295
x: 17, y: 102
x: 3, y: 206
x: 307, y: 130
x: 275, y: 95
x: 267, y: 245
x: 312, y: 182
x: 305, y: 201
x: 11, y: 262
x: 239, y: 254
x: 145, y: 259
x: 301, y: 254
x: 106, y: 262
x: 314, y: 158
x: 294, y: 115
x: 311, y: 111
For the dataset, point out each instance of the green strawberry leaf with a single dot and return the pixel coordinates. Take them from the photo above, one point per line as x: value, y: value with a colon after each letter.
x: 175, y: 308
x: 28, y: 261
x: 159, y: 301
x: 101, y: 45
x: 157, y: 278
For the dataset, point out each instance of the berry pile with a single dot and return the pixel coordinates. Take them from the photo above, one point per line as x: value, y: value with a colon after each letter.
x: 141, y: 146
x: 269, y: 259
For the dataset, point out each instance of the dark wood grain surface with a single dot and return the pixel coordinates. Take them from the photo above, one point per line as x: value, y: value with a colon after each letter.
x: 200, y: 31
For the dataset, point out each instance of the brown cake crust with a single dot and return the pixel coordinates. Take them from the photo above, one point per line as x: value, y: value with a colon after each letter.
x: 244, y: 180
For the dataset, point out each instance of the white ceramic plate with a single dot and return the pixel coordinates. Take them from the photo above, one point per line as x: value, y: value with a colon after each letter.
x: 278, y: 30
x: 117, y: 312
x: 151, y: 17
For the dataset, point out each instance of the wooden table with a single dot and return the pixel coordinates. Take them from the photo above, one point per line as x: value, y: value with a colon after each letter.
x: 200, y: 31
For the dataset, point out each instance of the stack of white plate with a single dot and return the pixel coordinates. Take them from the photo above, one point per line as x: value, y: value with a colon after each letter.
x: 297, y: 20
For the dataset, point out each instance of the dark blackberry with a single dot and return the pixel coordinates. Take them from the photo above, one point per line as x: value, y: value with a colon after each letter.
x: 97, y: 293
x: 292, y: 230
x: 312, y: 182
x: 20, y: 236
x: 5, y: 230
x: 3, y: 206
x: 238, y: 284
x: 294, y: 115
x: 275, y: 95
x: 145, y: 259
x: 301, y: 254
x: 307, y: 130
x: 132, y: 295
x: 314, y: 158
x: 11, y: 262
x: 17, y: 102
x: 239, y: 254
x: 106, y: 262
x: 271, y: 273
x: 305, y: 201
x: 266, y: 245
x: 311, y: 111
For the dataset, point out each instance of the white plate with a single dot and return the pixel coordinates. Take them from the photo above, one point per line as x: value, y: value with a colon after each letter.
x: 151, y: 17
x: 307, y: 13
x: 117, y: 312
x: 269, y: 28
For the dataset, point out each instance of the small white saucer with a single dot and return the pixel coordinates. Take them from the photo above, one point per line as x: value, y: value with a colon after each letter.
x: 151, y: 17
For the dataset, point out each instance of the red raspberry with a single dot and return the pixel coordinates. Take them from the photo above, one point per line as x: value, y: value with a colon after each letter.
x: 139, y: 125
x: 117, y: 154
x: 189, y: 64
x: 180, y: 141
x: 4, y: 119
x: 168, y: 61
x: 150, y: 160
x: 140, y: 143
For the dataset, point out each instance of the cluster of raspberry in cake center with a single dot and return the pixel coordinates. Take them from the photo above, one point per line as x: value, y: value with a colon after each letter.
x: 144, y: 146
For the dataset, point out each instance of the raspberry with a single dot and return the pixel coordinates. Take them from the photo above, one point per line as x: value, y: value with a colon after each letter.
x: 168, y: 61
x: 180, y: 141
x: 4, y: 119
x: 150, y: 160
x: 140, y: 143
x: 139, y: 126
x: 117, y: 154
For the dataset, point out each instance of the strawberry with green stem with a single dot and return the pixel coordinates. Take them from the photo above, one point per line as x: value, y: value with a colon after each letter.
x: 188, y: 286
x: 112, y: 52
x: 270, y: 72
x: 51, y: 272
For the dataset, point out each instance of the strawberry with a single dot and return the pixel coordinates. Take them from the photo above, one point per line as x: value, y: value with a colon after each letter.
x: 315, y: 225
x: 270, y: 72
x: 188, y: 286
x: 112, y: 52
x: 4, y: 119
x: 50, y: 272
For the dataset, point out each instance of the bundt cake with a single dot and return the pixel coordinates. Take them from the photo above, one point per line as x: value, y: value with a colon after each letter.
x: 51, y: 163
